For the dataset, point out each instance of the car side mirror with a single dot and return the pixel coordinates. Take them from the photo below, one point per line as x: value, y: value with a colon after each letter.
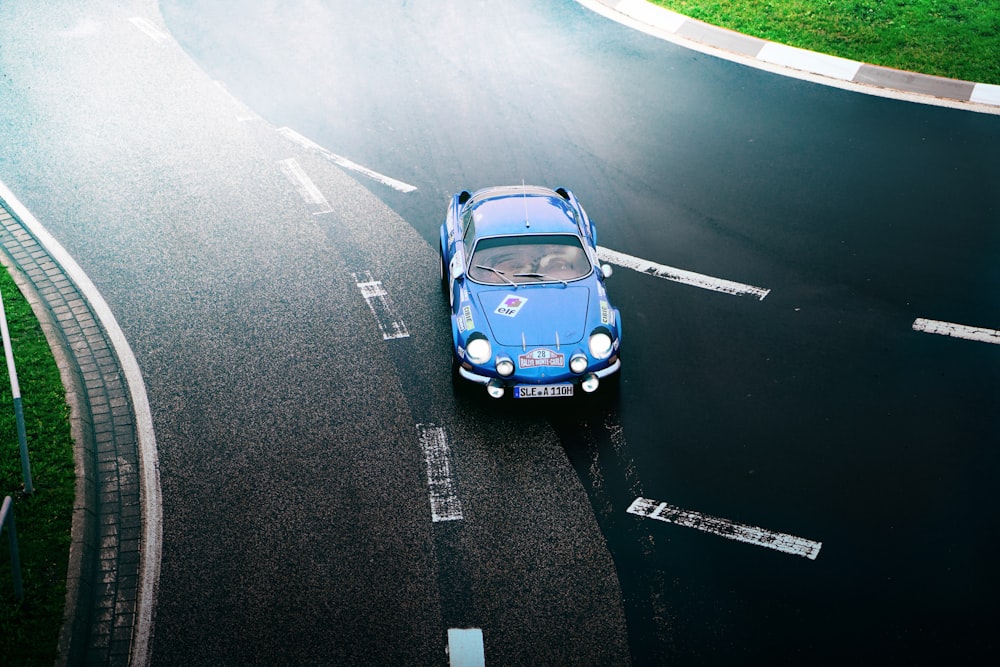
x: 458, y: 266
x: 606, y: 270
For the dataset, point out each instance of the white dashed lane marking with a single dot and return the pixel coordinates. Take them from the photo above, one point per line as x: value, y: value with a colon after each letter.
x: 149, y: 28
x: 730, y: 530
x: 680, y: 275
x: 445, y: 504
x: 378, y: 301
x: 957, y: 330
x: 310, y: 194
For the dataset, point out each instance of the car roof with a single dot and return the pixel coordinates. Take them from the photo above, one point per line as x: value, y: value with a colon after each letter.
x: 520, y: 209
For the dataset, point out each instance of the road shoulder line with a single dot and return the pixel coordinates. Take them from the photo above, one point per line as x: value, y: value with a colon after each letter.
x: 116, y: 533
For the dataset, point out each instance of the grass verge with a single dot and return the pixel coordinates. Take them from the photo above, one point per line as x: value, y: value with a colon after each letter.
x: 29, y: 629
x: 959, y: 39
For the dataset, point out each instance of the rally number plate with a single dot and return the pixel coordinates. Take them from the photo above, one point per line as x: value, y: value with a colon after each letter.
x: 542, y: 390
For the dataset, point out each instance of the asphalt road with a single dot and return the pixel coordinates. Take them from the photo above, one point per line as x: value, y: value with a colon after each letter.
x: 297, y: 521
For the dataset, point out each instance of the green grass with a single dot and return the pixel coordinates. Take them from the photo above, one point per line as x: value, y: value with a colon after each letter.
x: 959, y: 39
x: 29, y: 629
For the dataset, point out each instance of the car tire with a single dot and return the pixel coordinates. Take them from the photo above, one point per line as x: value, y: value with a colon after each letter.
x: 443, y: 276
x: 611, y: 387
x: 607, y: 396
x: 461, y: 388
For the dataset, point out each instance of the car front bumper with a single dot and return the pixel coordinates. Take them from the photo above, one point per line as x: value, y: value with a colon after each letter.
x: 513, y: 380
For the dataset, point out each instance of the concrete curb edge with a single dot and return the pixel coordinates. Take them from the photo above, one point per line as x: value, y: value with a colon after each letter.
x: 132, y: 407
x: 799, y: 63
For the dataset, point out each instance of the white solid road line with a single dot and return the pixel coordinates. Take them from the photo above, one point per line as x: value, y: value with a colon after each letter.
x: 761, y: 537
x: 445, y: 503
x: 309, y: 144
x: 957, y: 330
x: 680, y: 275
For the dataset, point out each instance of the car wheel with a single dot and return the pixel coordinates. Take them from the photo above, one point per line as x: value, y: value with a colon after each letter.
x: 611, y: 387
x: 607, y: 396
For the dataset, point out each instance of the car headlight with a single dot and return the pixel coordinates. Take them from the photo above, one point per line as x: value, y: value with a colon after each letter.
x: 578, y: 363
x: 505, y: 366
x: 600, y: 344
x: 478, y: 350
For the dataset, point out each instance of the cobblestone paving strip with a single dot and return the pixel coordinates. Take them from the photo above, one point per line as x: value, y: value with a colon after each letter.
x: 103, y: 576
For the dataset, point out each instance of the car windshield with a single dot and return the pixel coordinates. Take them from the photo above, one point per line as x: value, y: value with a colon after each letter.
x: 526, y: 259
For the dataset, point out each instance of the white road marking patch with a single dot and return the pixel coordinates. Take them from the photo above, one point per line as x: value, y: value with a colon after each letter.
x: 680, y: 275
x: 465, y: 647
x: 149, y: 28
x: 309, y: 144
x: 378, y: 301
x: 809, y: 61
x: 306, y: 188
x: 761, y: 537
x: 986, y: 93
x: 957, y: 330
x: 445, y: 504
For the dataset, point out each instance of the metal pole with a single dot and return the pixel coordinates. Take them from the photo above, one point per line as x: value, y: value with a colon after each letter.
x: 7, y: 516
x: 15, y: 389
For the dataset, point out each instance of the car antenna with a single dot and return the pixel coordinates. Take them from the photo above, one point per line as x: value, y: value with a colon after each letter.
x: 524, y: 198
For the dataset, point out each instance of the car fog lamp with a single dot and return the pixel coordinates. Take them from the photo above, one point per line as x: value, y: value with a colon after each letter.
x: 478, y: 350
x: 505, y: 367
x: 578, y: 363
x: 589, y: 383
x: 494, y: 388
x: 600, y: 345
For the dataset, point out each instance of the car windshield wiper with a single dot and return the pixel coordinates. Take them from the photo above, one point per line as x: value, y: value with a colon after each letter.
x: 496, y: 271
x: 541, y: 276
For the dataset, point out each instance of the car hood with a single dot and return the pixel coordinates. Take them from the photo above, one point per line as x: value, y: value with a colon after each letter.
x: 532, y: 316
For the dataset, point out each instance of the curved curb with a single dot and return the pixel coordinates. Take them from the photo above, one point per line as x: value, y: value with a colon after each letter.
x: 114, y: 563
x: 799, y: 63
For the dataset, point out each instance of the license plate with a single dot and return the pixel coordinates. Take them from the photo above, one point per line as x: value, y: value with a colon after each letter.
x: 542, y: 390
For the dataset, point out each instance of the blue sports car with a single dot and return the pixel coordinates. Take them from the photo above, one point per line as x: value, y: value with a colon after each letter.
x: 529, y: 311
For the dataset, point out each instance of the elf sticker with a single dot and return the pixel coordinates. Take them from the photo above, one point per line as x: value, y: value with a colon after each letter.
x: 510, y: 305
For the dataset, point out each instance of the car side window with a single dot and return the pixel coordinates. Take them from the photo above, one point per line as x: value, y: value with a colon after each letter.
x: 468, y: 228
